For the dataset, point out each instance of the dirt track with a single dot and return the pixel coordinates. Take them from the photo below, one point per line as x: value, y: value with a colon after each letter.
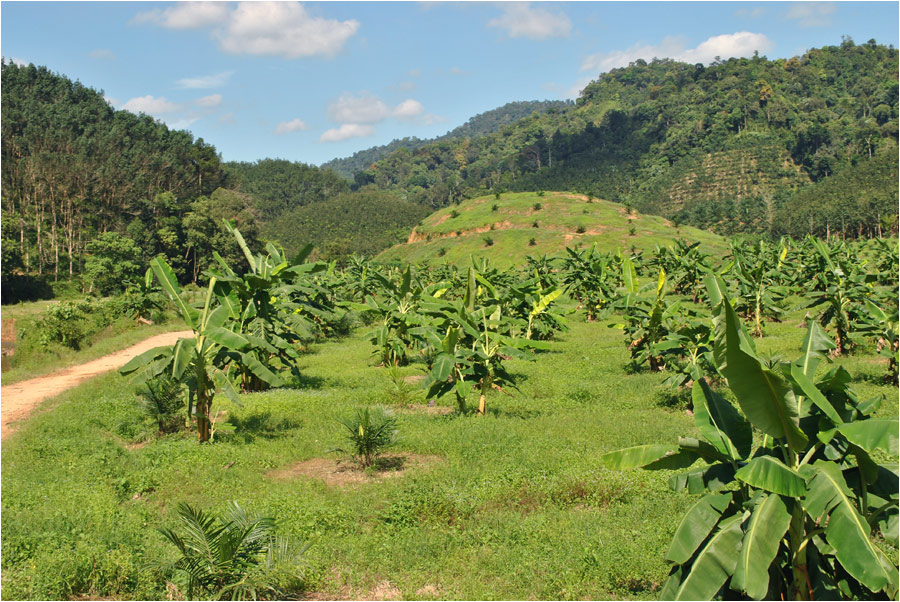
x: 18, y: 400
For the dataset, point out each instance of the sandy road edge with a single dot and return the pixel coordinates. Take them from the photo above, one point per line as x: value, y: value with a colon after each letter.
x: 18, y: 400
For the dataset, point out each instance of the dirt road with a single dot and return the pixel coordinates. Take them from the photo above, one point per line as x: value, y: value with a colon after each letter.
x: 18, y: 400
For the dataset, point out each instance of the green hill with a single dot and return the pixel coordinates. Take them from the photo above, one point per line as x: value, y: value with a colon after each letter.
x: 518, y: 224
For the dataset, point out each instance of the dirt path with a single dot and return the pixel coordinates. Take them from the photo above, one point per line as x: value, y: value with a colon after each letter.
x: 19, y: 399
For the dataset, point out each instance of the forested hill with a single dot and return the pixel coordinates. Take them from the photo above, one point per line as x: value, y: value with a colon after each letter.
x: 479, y: 125
x: 734, y: 146
x: 74, y: 168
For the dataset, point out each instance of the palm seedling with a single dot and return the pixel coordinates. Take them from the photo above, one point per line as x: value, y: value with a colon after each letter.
x: 369, y: 431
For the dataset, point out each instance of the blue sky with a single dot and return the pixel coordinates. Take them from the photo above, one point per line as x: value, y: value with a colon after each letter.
x: 316, y: 80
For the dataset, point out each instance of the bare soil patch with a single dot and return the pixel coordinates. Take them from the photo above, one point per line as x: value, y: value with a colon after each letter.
x: 344, y: 473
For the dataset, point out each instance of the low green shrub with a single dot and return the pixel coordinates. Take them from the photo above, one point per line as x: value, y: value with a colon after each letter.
x: 369, y: 432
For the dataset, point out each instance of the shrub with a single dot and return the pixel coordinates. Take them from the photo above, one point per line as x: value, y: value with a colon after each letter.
x: 532, y: 242
x: 235, y: 556
x: 493, y: 226
x: 494, y: 207
x: 441, y: 252
x: 112, y: 261
x: 65, y: 323
x: 631, y: 229
x: 369, y: 432
x: 580, y: 230
x: 537, y: 206
x: 540, y: 193
x: 488, y: 241
x: 163, y: 400
x: 534, y: 224
x: 454, y: 213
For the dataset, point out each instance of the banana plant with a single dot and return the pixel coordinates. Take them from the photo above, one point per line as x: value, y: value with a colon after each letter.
x: 844, y: 290
x: 591, y: 278
x: 760, y: 296
x: 649, y: 322
x: 792, y: 518
x: 199, y: 363
x: 883, y: 327
x: 472, y: 345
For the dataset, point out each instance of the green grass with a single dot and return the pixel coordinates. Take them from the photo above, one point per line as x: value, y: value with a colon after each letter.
x: 519, y: 508
x: 559, y: 220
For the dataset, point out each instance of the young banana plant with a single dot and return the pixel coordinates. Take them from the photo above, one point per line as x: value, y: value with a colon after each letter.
x: 793, y: 517
x: 199, y: 363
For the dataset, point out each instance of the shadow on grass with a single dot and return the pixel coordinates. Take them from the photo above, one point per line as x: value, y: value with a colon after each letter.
x: 674, y: 399
x: 304, y: 381
x: 260, y: 424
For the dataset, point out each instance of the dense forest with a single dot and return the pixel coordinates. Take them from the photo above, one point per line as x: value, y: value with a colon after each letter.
x: 727, y: 146
x: 479, y: 125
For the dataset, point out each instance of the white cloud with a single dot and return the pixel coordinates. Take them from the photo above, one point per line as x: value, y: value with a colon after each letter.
x: 430, y: 119
x: 408, y: 109
x: 754, y: 13
x: 102, y: 54
x: 811, y: 14
x: 186, y: 15
x: 181, y: 124
x: 346, y: 131
x: 282, y: 29
x: 18, y: 62
x: 227, y: 119
x: 739, y: 44
x: 150, y: 105
x: 365, y: 108
x: 415, y: 73
x: 213, y: 100
x: 200, y: 82
x: 111, y: 101
x: 520, y: 20
x: 456, y: 71
x: 286, y: 127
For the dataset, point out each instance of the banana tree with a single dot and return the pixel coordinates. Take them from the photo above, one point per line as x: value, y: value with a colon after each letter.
x: 883, y: 327
x: 792, y: 518
x: 760, y: 295
x: 199, y: 363
x: 649, y: 322
x: 591, y: 278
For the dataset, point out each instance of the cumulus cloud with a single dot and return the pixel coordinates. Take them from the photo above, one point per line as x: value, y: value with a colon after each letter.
x: 365, y: 108
x: 150, y: 105
x: 520, y: 20
x: 282, y: 29
x: 811, y: 14
x: 186, y: 15
x: 286, y: 127
x: 200, y: 82
x: 262, y: 28
x: 213, y: 100
x: 102, y: 54
x: 347, y: 131
x: 739, y: 44
x: 408, y: 109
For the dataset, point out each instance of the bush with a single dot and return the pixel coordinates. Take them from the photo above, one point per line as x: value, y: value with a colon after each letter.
x: 441, y: 252
x: 537, y: 206
x: 65, y: 323
x: 163, y: 400
x: 235, y: 556
x: 494, y: 207
x: 534, y: 224
x: 580, y: 230
x: 454, y: 213
x: 540, y: 193
x: 113, y: 261
x: 532, y: 242
x: 488, y: 241
x: 369, y: 432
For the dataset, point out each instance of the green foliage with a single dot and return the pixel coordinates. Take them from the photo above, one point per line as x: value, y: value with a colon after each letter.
x: 798, y: 523
x: 163, y: 400
x: 488, y: 241
x: 235, y: 556
x: 369, y: 432
x: 111, y: 263
x: 66, y: 323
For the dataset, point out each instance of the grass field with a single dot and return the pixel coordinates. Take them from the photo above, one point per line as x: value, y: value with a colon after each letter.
x: 514, y: 505
x: 563, y: 219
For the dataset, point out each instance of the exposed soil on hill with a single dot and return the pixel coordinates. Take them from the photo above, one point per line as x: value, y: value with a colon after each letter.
x: 20, y: 399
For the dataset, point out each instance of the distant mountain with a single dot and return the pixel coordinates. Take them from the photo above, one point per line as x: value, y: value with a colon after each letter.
x: 728, y: 146
x: 479, y: 125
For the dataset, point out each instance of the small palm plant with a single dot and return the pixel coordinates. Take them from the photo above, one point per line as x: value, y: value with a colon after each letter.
x: 369, y: 432
x: 236, y: 556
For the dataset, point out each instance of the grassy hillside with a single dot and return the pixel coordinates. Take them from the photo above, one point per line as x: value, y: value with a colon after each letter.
x: 562, y: 220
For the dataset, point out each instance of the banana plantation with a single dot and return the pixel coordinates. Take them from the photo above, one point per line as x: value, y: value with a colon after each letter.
x: 781, y: 464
